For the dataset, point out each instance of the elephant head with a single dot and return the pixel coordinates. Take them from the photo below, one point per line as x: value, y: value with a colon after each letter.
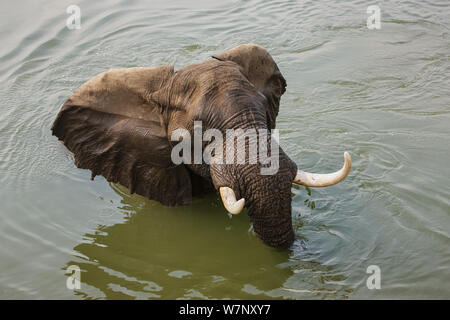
x: 120, y: 123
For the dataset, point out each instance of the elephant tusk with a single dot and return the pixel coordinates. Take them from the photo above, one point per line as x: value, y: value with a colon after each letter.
x: 324, y: 180
x: 229, y: 200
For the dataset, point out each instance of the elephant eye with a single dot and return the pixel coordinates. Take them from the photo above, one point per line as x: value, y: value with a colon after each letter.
x: 277, y: 84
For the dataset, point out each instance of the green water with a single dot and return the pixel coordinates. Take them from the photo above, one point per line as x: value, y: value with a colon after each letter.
x: 383, y: 95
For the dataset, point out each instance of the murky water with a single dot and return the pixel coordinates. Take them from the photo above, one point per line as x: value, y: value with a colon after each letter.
x: 381, y: 94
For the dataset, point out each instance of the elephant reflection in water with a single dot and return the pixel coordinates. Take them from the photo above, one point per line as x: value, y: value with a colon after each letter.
x: 175, y: 252
x: 160, y: 252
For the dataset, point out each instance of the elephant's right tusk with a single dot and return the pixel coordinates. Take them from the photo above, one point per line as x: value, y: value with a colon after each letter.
x: 324, y: 180
x: 229, y: 200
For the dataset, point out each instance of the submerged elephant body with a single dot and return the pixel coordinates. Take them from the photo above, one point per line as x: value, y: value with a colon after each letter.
x: 119, y: 125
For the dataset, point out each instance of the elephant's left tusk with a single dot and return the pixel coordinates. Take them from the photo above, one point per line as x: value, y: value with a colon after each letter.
x: 324, y: 180
x: 229, y: 200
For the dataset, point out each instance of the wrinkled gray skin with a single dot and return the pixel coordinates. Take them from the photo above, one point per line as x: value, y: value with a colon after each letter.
x: 119, y: 125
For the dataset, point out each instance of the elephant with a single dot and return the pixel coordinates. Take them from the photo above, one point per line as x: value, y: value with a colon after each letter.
x: 119, y: 124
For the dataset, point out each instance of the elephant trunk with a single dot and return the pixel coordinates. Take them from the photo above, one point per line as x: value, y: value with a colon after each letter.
x: 267, y: 194
x: 276, y: 232
x: 268, y: 201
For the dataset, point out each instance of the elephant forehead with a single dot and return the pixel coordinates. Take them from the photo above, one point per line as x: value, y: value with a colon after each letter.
x: 256, y: 62
x: 196, y: 84
x: 208, y: 74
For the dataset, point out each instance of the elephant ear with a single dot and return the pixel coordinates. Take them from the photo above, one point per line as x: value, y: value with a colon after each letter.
x: 114, y: 130
x: 262, y: 71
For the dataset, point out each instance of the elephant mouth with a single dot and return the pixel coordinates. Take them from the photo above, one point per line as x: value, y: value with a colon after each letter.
x: 235, y: 206
x: 268, y: 198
